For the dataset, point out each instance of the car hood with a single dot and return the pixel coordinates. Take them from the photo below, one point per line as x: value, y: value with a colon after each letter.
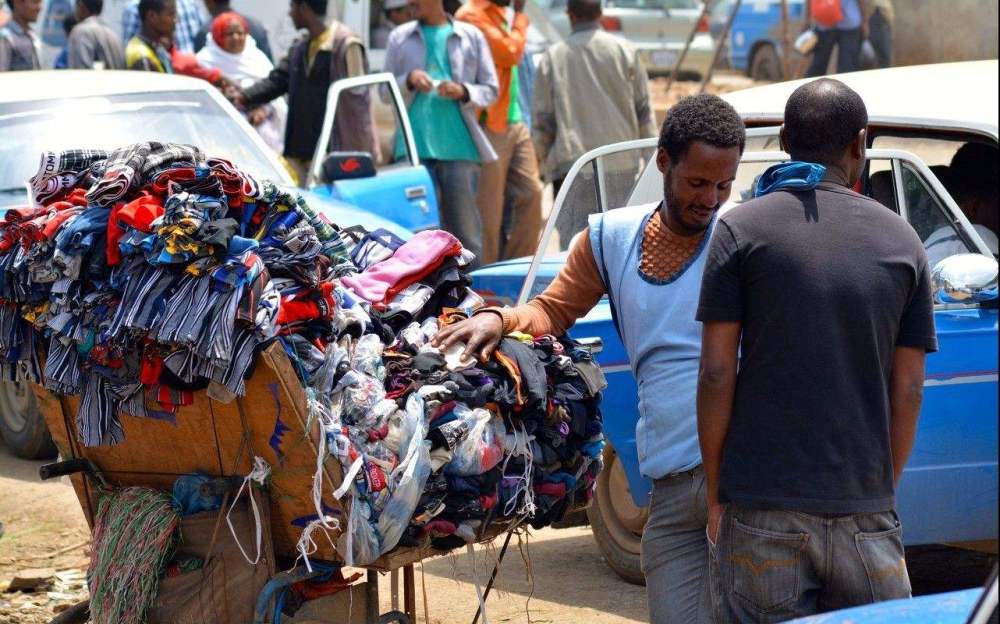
x: 519, y: 266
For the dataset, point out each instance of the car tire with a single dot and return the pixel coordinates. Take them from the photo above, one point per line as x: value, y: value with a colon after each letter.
x: 765, y: 65
x: 21, y: 424
x: 616, y: 521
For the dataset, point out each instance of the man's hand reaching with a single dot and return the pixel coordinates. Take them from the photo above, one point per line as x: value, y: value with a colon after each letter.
x: 481, y: 335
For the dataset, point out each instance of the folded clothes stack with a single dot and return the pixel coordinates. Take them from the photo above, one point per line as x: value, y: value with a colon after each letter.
x: 153, y: 272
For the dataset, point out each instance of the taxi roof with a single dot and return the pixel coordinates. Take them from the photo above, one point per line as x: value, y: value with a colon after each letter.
x: 951, y: 96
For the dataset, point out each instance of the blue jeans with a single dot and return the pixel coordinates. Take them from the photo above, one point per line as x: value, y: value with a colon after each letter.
x: 674, y: 550
x: 772, y: 566
x: 456, y: 183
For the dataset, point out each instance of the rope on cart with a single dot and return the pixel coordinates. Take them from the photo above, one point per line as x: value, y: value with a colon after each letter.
x: 135, y: 530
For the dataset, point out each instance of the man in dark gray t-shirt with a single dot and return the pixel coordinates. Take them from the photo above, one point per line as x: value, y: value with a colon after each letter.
x: 825, y: 294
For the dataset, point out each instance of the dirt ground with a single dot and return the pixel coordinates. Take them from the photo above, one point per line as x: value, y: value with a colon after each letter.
x: 722, y: 82
x: 556, y: 576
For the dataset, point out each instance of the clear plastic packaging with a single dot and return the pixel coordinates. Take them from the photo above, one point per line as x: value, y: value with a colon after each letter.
x: 482, y: 448
x: 360, y: 539
x: 407, y: 481
x: 367, y: 356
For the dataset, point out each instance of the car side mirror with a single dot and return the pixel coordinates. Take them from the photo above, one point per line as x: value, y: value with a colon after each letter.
x: 965, y: 278
x: 347, y: 166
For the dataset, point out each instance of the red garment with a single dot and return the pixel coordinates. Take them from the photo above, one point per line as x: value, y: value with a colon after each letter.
x: 488, y: 502
x: 439, y: 528
x: 188, y: 65
x: 176, y: 174
x: 443, y: 409
x: 78, y: 197
x: 50, y: 227
x: 138, y: 214
x: 557, y: 490
x: 152, y: 366
x: 308, y: 305
x: 222, y: 23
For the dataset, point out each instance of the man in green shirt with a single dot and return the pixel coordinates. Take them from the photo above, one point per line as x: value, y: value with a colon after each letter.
x: 446, y: 72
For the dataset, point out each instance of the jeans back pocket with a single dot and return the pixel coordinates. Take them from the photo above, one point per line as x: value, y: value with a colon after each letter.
x: 765, y: 566
x: 885, y: 565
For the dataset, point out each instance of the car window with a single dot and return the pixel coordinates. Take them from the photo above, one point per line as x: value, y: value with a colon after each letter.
x: 604, y: 183
x: 191, y: 117
x: 930, y: 219
x: 676, y: 4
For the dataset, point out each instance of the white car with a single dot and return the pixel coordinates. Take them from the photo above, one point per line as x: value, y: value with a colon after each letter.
x: 657, y: 28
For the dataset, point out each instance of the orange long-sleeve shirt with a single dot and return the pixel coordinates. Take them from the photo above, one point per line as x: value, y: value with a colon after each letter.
x: 578, y: 286
x: 506, y: 46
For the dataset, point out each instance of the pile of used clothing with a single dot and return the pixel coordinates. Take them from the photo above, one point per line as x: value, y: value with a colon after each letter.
x: 152, y: 272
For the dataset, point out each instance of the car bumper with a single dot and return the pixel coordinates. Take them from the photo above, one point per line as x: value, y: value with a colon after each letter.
x: 659, y: 58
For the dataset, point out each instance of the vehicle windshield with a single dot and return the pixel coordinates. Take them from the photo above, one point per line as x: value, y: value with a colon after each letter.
x: 109, y: 122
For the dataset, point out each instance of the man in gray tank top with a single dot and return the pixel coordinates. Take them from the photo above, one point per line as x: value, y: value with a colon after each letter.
x: 648, y: 259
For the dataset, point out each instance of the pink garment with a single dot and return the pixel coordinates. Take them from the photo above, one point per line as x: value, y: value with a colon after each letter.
x: 414, y: 260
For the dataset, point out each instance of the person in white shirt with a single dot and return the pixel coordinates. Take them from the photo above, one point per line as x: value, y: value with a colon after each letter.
x: 972, y: 182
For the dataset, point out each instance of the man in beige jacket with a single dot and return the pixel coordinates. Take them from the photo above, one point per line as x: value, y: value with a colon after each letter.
x: 590, y: 90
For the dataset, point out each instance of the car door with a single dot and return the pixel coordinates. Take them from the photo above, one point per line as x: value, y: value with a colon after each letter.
x: 948, y: 492
x: 599, y: 181
x: 401, y: 189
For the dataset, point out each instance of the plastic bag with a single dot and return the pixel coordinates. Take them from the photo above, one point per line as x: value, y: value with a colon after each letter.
x: 826, y: 13
x: 367, y: 356
x: 407, y: 481
x: 482, y: 448
x: 359, y: 400
x: 360, y: 540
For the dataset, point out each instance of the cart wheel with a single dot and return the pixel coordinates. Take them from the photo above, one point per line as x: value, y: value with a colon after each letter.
x: 77, y: 614
x: 394, y: 617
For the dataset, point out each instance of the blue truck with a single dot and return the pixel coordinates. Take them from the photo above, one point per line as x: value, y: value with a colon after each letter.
x: 948, y: 493
x: 754, y: 45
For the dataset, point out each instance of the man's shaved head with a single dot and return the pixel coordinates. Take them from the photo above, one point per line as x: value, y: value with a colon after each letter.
x: 822, y: 118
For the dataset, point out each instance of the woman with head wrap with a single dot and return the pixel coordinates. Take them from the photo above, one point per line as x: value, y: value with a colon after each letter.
x: 234, y: 52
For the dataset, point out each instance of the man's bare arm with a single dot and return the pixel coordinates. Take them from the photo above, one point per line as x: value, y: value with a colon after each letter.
x: 716, y: 388
x: 906, y: 392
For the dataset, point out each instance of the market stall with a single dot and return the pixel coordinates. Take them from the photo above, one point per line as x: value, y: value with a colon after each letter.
x: 254, y: 385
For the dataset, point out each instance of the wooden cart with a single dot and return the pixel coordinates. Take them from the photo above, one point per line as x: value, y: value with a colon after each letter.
x: 270, y: 422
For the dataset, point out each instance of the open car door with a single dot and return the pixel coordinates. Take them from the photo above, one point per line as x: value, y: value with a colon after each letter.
x: 388, y: 179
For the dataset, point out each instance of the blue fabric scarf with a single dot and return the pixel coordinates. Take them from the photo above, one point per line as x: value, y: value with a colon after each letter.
x: 795, y: 175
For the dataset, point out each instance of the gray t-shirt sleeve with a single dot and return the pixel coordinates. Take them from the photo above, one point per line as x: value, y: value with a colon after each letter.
x: 721, y: 287
x: 916, y: 325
